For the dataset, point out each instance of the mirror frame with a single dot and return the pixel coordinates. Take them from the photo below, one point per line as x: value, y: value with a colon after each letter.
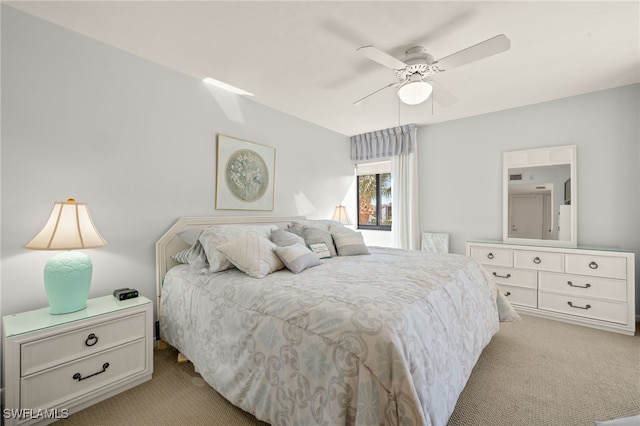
x: 539, y: 158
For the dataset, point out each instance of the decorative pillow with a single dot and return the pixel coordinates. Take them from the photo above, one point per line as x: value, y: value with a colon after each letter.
x: 194, y: 256
x: 297, y: 257
x: 215, y: 235
x: 320, y: 250
x: 350, y: 244
x: 316, y: 235
x: 182, y: 256
x: 283, y: 238
x: 340, y: 230
x: 253, y: 254
x: 298, y: 226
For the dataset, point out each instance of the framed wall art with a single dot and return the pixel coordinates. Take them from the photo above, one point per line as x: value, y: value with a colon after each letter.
x: 245, y: 175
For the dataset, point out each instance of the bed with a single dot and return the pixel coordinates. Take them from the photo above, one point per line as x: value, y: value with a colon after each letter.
x: 389, y: 337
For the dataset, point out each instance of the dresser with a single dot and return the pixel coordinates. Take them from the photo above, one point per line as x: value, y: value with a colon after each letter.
x: 55, y: 365
x: 594, y: 288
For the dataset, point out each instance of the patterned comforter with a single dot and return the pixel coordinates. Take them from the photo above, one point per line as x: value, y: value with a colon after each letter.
x: 390, y: 338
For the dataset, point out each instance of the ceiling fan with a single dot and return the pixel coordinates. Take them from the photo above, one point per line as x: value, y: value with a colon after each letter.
x: 417, y: 67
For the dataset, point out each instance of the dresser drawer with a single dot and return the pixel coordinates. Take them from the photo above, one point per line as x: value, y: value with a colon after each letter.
x: 511, y: 276
x: 492, y: 256
x: 520, y: 295
x: 56, y: 350
x: 581, y: 285
x: 50, y: 388
x: 538, y: 260
x: 597, y: 266
x: 584, y: 307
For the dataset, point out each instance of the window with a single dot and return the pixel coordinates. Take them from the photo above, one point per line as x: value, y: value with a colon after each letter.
x: 374, y: 196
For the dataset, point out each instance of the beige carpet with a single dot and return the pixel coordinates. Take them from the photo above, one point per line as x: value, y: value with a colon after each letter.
x: 534, y: 372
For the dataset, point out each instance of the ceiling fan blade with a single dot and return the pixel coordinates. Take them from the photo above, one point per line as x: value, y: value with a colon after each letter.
x: 381, y: 57
x: 442, y: 96
x: 359, y: 101
x: 492, y: 46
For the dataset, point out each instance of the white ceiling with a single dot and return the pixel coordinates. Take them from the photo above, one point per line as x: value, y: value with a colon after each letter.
x: 300, y: 57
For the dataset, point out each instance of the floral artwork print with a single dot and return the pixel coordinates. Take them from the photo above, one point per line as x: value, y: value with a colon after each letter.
x: 246, y: 175
x: 245, y: 178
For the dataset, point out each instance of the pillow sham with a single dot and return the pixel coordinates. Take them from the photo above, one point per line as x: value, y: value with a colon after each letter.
x: 297, y: 257
x: 350, y: 244
x: 190, y: 235
x: 253, y: 254
x: 316, y: 235
x: 283, y: 238
x: 215, y: 235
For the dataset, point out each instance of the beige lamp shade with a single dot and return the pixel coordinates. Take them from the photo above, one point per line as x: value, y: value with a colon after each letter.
x: 69, y: 227
x: 340, y: 215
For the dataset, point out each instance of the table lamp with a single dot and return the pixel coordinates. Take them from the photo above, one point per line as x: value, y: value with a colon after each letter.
x: 67, y: 275
x: 340, y: 215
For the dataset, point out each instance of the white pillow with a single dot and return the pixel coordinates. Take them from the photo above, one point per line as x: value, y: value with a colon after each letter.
x: 297, y: 257
x: 253, y: 254
x: 215, y: 235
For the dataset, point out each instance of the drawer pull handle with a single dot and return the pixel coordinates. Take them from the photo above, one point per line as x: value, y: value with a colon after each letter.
x: 502, y: 276
x: 579, y: 286
x: 508, y: 294
x: 593, y: 265
x: 79, y: 377
x: 537, y: 260
x: 490, y: 255
x: 579, y: 307
x: 92, y: 339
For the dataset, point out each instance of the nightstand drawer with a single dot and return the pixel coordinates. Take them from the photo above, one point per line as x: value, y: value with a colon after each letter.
x: 597, y: 266
x: 52, y: 387
x: 62, y: 348
x: 538, y: 260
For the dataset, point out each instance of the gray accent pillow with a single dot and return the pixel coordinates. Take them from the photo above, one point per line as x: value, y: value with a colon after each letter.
x: 283, y: 238
x: 297, y: 257
x: 316, y: 235
x: 340, y: 230
x: 350, y: 244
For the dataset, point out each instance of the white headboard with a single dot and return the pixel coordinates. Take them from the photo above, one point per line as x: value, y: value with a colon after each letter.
x: 170, y: 244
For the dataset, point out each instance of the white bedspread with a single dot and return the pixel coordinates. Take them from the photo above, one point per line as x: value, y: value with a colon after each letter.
x: 389, y: 338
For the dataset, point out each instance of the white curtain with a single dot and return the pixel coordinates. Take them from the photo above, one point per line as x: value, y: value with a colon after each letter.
x: 399, y: 144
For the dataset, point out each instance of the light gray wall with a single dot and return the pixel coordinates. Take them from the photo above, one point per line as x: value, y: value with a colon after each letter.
x: 136, y: 141
x: 461, y: 167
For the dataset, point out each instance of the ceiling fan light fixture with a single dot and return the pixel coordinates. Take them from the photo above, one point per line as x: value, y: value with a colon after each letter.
x: 415, y: 92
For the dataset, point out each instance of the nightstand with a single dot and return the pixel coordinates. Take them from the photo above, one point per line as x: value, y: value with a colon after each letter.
x: 55, y: 365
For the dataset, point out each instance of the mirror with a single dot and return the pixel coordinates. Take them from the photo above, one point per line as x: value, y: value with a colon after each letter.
x: 539, y: 196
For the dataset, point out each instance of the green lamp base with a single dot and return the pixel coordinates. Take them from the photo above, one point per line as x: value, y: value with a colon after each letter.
x: 67, y: 278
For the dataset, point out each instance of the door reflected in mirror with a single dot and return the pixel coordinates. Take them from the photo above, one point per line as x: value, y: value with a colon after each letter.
x: 539, y: 205
x: 539, y: 196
